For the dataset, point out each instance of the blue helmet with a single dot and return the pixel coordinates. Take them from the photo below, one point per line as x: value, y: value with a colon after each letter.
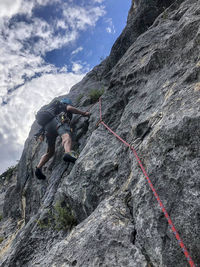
x: 66, y: 101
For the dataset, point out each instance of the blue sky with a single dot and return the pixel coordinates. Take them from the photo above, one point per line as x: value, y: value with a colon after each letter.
x: 46, y: 47
x: 96, y: 41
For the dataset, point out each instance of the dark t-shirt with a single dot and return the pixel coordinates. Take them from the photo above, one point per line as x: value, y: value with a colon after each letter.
x: 58, y: 107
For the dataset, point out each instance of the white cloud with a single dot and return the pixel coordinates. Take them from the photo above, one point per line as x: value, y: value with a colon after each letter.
x: 18, y: 115
x: 76, y: 51
x: 111, y: 28
x: 79, y: 17
x: 46, y: 2
x: 80, y: 67
x: 21, y: 58
x: 61, y: 24
x: 17, y: 37
x: 9, y: 7
x: 63, y: 69
x: 54, y: 42
x: 98, y: 1
x: 31, y: 81
x: 76, y: 67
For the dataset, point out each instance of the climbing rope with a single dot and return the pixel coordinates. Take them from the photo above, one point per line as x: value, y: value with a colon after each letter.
x: 187, y: 255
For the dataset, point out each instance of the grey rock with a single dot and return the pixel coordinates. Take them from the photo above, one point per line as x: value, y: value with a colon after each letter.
x: 105, y: 238
x: 141, y: 16
x: 151, y: 100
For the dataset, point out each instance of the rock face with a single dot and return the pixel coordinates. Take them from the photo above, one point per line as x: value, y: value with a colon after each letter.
x: 101, y: 211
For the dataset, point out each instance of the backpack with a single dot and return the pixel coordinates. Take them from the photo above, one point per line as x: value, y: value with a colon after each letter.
x: 48, y: 112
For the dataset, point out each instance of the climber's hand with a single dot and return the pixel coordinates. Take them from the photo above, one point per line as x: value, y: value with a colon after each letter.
x: 86, y: 114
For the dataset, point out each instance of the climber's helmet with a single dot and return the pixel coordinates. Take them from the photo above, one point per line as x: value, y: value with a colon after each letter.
x: 66, y: 101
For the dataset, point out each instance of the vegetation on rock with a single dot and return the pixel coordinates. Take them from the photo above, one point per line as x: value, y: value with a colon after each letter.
x: 95, y: 94
x: 8, y: 173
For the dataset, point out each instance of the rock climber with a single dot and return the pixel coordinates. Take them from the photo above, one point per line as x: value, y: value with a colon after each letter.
x: 55, y: 120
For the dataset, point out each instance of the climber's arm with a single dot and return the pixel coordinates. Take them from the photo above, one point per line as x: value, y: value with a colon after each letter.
x: 77, y: 111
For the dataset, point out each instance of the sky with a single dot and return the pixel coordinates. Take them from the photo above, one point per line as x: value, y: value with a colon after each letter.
x: 47, y: 46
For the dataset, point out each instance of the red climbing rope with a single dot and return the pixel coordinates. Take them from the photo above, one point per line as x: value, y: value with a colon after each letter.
x: 187, y: 255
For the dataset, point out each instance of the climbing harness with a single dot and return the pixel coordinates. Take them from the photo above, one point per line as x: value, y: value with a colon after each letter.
x: 63, y: 118
x: 187, y: 255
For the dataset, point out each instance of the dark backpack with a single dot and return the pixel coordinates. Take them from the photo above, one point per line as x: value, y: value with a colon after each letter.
x: 48, y: 112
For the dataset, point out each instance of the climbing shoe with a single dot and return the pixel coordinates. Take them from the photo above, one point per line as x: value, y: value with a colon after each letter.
x: 39, y: 174
x: 70, y: 157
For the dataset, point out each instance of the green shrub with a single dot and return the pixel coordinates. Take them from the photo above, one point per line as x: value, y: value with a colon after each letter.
x: 47, y: 221
x: 165, y: 14
x: 60, y: 218
x: 64, y: 217
x: 78, y: 100
x: 1, y: 239
x: 1, y: 217
x: 8, y: 173
x: 95, y: 94
x: 44, y: 224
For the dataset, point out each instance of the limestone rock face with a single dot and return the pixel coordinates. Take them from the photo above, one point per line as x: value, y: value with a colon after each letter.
x: 141, y: 16
x: 101, y: 211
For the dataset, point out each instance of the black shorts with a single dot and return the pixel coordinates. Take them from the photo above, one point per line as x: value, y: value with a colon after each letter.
x: 55, y: 128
